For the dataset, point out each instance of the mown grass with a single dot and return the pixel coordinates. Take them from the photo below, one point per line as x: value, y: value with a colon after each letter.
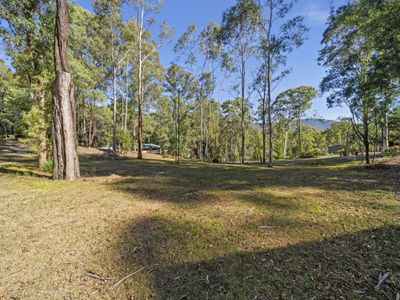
x: 325, y: 229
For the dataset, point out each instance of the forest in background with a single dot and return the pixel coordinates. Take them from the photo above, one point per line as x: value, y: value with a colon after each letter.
x: 125, y: 98
x: 127, y: 228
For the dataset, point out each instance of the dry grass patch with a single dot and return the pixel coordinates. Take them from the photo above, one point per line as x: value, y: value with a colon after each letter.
x: 197, y: 230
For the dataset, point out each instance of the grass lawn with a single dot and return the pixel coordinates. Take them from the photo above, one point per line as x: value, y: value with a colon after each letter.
x: 317, y: 230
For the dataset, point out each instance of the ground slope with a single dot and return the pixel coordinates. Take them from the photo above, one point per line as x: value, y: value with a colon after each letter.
x: 317, y: 229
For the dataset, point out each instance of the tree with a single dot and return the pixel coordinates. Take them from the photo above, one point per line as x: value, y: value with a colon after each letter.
x: 110, y: 16
x: 295, y: 102
x: 88, y: 59
x: 65, y: 155
x: 180, y: 85
x: 349, y: 56
x: 341, y: 134
x: 201, y: 52
x: 231, y: 128
x: 145, y: 10
x: 280, y: 35
x: 285, y: 116
x: 14, y: 105
x: 28, y: 39
x: 394, y: 125
x: 164, y: 124
x: 238, y: 33
x: 377, y: 23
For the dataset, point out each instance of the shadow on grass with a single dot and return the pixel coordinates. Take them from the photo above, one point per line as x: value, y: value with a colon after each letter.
x: 191, y: 183
x: 23, y: 172
x: 184, y: 265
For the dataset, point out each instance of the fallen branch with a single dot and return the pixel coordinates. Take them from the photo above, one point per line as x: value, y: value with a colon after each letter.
x: 184, y: 296
x: 382, y: 279
x: 126, y: 277
x: 267, y: 227
x: 102, y: 278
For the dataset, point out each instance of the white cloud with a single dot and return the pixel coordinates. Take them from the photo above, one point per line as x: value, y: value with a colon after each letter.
x: 317, y: 15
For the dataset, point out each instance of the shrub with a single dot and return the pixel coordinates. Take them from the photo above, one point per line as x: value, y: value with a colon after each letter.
x: 392, y: 151
x: 312, y: 153
x: 124, y: 140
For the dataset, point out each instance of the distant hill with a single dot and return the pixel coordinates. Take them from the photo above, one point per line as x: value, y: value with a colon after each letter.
x: 319, y: 124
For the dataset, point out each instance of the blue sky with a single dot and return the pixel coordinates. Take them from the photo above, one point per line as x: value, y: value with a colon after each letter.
x: 303, y: 62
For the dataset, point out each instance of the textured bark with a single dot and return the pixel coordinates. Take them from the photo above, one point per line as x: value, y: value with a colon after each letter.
x: 65, y: 155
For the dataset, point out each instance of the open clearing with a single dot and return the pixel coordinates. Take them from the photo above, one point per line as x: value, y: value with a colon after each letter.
x: 195, y: 231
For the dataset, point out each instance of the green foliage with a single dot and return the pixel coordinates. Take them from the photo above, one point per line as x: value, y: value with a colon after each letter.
x: 31, y: 126
x: 48, y: 167
x: 180, y: 86
x: 394, y: 125
x: 361, y: 46
x: 14, y: 101
x: 356, y: 51
x: 124, y: 140
x: 313, y: 143
x: 102, y: 126
x: 393, y: 151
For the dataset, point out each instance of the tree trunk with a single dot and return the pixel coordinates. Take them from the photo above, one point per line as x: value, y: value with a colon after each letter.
x: 201, y: 130
x: 114, y: 88
x: 206, y: 146
x: 299, y: 136
x: 271, y: 146
x: 140, y: 124
x: 178, y: 127
x: 366, y: 141
x: 42, y: 150
x: 134, y: 132
x: 126, y: 99
x: 366, y: 146
x: 84, y: 131
x: 269, y: 89
x: 264, y: 133
x: 65, y: 155
x: 385, y: 132
x: 243, y: 79
x: 140, y: 89
x: 286, y: 144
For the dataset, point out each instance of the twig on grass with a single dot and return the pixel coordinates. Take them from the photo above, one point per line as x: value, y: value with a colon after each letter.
x: 382, y: 279
x: 102, y: 278
x: 184, y: 296
x: 126, y: 277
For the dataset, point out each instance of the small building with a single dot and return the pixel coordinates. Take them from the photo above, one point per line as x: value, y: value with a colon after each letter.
x: 152, y: 148
x: 337, y: 149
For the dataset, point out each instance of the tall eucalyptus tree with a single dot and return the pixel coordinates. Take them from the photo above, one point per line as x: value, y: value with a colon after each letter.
x: 238, y: 32
x: 201, y: 51
x: 115, y: 51
x: 145, y: 10
x: 280, y: 35
x: 65, y: 154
